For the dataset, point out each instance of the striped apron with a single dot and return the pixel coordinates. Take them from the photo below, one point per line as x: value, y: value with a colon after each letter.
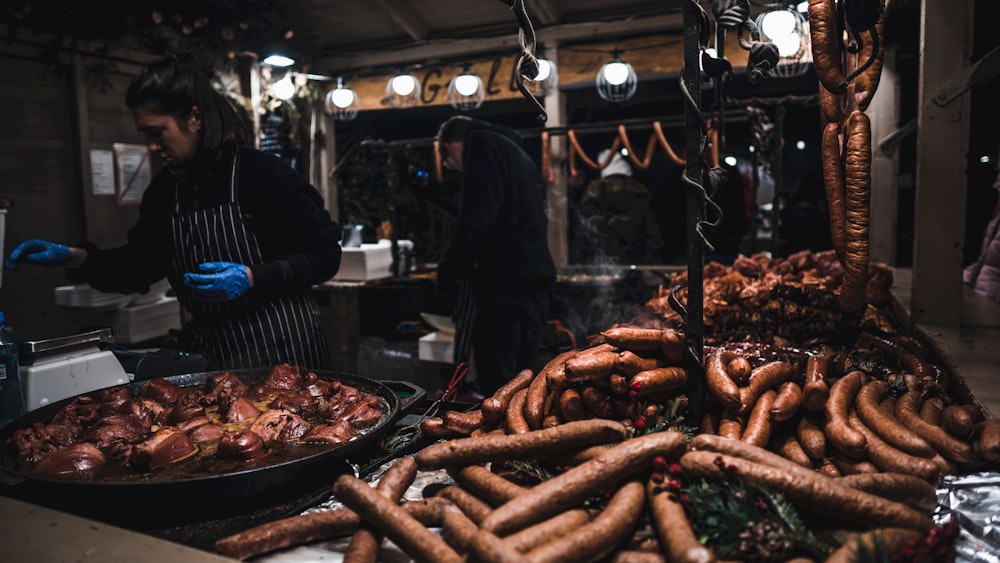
x: 465, y: 319
x: 252, y: 330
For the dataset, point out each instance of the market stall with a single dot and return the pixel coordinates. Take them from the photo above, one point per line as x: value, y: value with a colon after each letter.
x: 778, y: 408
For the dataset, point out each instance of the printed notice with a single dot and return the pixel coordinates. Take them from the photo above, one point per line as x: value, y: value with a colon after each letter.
x: 102, y: 172
x: 133, y: 170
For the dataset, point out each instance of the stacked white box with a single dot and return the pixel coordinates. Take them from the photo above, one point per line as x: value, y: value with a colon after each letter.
x: 367, y: 262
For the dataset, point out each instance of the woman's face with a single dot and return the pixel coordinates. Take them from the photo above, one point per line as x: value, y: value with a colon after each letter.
x: 451, y: 154
x: 174, y: 140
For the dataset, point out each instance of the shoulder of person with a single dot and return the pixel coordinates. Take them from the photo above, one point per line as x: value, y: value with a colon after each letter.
x: 252, y: 159
x: 486, y: 130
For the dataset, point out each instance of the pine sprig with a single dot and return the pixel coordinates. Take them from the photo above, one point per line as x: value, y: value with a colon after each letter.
x: 663, y: 417
x: 747, y: 522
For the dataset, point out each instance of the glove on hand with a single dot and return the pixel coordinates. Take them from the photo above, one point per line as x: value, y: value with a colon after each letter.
x: 40, y: 252
x: 221, y: 281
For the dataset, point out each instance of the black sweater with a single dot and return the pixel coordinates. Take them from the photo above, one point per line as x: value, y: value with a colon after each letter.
x: 298, y: 239
x: 501, y: 232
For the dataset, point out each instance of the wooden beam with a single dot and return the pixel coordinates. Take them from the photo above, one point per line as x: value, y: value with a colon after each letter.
x: 402, y: 14
x: 544, y: 13
x: 655, y: 55
x: 443, y: 49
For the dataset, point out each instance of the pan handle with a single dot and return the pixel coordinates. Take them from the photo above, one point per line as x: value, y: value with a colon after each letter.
x: 409, y: 393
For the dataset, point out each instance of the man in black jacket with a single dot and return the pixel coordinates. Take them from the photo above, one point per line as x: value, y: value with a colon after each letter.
x: 498, y: 266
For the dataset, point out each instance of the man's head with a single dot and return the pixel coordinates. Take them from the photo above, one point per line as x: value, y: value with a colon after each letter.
x: 450, y: 138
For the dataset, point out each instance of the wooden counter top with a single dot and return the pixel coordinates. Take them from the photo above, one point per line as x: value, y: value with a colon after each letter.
x: 29, y: 532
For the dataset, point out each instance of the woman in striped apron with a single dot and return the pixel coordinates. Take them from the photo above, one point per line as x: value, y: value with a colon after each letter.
x: 240, y: 236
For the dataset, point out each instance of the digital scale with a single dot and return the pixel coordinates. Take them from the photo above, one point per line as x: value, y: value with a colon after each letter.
x: 54, y: 369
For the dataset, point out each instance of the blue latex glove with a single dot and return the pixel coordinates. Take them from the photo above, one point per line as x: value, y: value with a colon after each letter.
x: 40, y: 252
x: 220, y: 281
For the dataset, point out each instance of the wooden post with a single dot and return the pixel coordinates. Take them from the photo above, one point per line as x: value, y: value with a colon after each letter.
x: 942, y: 141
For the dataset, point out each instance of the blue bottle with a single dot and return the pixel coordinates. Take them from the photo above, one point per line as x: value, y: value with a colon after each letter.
x: 11, y: 392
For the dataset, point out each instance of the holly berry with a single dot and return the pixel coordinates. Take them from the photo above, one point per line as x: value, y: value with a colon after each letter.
x: 659, y: 463
x: 656, y: 477
x: 640, y: 422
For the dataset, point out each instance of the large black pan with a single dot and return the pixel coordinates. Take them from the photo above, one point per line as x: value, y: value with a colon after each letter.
x: 194, y: 498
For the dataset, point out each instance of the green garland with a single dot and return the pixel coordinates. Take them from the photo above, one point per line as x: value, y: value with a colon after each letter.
x: 746, y: 522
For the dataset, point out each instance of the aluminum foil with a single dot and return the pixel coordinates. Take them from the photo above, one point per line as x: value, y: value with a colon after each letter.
x: 973, y: 501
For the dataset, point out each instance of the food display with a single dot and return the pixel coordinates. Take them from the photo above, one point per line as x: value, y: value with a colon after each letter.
x: 164, y: 431
x: 806, y: 447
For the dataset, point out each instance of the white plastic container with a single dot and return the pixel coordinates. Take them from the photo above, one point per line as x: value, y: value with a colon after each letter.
x: 437, y: 347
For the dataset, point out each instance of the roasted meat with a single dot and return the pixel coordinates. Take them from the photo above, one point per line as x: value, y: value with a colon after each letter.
x: 241, y: 409
x: 281, y: 426
x: 338, y: 433
x: 245, y: 446
x: 80, y: 460
x: 168, y: 445
x: 202, y: 429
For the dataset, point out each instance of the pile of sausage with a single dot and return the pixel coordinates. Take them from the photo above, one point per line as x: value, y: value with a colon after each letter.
x: 861, y: 452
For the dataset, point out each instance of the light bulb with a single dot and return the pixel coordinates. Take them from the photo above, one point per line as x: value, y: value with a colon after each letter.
x: 544, y: 70
x: 615, y: 73
x: 730, y: 160
x: 283, y: 89
x: 466, y: 84
x: 342, y: 97
x: 403, y: 84
x: 278, y: 60
x: 777, y: 24
x: 788, y: 44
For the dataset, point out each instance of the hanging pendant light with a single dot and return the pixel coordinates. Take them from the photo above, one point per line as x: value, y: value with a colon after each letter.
x: 786, y: 28
x: 342, y: 102
x: 466, y: 91
x: 547, y: 79
x: 616, y: 81
x: 402, y: 90
x: 283, y: 89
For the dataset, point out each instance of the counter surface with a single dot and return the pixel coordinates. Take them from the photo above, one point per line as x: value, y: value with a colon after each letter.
x: 29, y: 532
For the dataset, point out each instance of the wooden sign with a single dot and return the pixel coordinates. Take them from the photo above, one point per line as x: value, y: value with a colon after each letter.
x: 650, y: 56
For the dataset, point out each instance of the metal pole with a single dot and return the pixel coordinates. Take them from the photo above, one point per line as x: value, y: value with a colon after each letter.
x: 694, y: 321
x: 778, y: 175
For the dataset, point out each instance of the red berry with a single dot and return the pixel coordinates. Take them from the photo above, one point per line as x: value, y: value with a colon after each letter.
x: 637, y: 386
x: 675, y: 469
x: 656, y: 477
x: 674, y: 485
x: 640, y: 422
x: 660, y: 463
